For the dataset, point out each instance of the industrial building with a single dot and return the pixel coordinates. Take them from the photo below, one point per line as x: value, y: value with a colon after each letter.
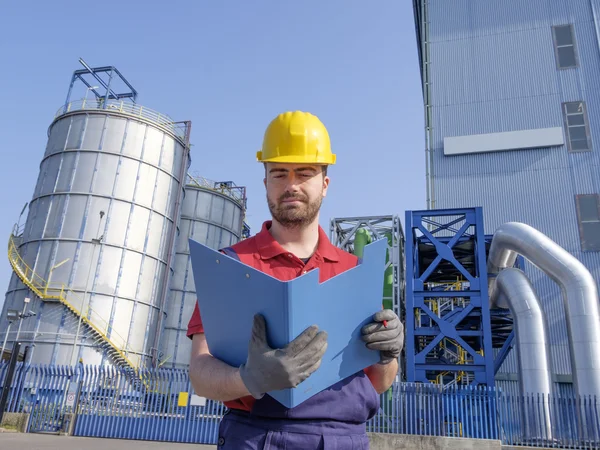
x: 512, y: 100
x: 100, y: 264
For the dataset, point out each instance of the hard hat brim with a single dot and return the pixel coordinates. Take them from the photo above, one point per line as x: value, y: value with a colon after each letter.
x: 291, y: 159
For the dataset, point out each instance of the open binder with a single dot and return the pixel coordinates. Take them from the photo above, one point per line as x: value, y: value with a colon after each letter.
x: 230, y: 293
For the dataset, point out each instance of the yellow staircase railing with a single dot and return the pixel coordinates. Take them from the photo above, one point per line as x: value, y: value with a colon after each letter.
x: 115, y: 345
x: 460, y: 357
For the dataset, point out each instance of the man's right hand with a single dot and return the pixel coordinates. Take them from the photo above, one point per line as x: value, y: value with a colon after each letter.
x: 268, y: 369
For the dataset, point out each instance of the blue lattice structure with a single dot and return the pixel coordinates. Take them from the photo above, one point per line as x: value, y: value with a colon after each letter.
x: 448, y: 326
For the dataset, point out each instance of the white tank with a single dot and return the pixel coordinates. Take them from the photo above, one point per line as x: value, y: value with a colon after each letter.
x: 105, y: 206
x: 213, y: 214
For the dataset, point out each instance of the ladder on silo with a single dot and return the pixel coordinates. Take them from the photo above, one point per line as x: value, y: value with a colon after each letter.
x: 115, y: 345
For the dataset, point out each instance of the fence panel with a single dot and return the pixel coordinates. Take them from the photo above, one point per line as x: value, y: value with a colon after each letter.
x: 40, y: 391
x: 112, y: 403
x: 413, y: 408
x: 46, y: 400
x: 14, y: 402
x: 549, y: 421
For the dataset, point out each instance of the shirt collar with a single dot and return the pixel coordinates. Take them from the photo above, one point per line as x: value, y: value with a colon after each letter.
x: 268, y: 247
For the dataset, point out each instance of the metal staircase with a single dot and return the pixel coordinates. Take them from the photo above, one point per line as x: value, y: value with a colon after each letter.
x: 115, y: 345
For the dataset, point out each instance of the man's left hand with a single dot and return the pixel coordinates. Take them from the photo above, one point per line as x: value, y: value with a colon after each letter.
x: 388, y: 340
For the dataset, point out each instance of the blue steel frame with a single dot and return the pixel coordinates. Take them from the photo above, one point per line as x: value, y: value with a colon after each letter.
x: 443, y: 237
x: 94, y: 72
x: 503, y: 353
x: 246, y: 231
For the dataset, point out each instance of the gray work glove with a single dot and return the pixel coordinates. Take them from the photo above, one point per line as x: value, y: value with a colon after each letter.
x: 388, y: 341
x: 268, y: 369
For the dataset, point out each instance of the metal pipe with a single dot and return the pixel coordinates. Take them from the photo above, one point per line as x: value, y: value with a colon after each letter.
x: 579, y: 293
x: 109, y: 91
x: 5, y: 339
x: 514, y: 290
x: 21, y: 317
x: 595, y: 24
x: 424, y: 30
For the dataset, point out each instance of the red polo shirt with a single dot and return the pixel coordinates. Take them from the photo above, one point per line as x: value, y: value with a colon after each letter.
x: 265, y: 254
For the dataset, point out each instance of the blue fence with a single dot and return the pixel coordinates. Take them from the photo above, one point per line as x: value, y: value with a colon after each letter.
x: 112, y: 403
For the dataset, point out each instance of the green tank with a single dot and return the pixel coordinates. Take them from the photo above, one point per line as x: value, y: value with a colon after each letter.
x: 388, y: 278
x: 361, y: 239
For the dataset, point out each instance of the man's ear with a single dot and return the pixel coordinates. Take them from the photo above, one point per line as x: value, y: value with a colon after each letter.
x: 265, y: 178
x: 326, y: 181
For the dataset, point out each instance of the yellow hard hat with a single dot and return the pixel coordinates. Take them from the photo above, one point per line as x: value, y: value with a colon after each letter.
x: 296, y: 137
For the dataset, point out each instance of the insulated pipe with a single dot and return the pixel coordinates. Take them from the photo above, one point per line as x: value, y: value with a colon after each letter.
x: 579, y: 292
x: 514, y: 288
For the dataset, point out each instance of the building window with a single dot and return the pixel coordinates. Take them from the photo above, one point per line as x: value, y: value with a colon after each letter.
x: 588, y: 216
x: 564, y: 46
x: 576, y: 124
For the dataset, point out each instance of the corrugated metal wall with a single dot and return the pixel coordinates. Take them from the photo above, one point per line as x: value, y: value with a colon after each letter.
x: 493, y: 69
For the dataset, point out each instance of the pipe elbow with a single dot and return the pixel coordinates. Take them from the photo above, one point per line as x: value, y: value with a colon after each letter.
x: 579, y: 292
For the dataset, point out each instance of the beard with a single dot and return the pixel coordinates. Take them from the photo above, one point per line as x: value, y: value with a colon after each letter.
x: 295, y: 216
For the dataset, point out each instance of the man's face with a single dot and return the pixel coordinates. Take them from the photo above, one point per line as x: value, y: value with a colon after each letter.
x: 295, y: 192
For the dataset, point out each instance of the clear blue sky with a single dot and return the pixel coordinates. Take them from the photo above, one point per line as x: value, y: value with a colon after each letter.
x: 229, y: 67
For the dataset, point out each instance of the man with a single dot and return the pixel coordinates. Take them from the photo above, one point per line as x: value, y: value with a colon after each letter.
x: 296, y: 152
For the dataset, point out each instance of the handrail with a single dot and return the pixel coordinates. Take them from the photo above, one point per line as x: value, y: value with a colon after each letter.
x: 131, y: 109
x: 46, y: 292
x: 238, y: 193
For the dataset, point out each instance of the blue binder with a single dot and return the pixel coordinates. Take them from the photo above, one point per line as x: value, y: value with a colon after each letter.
x: 230, y: 293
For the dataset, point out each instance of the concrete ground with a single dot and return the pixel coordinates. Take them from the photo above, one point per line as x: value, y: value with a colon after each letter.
x: 30, y: 441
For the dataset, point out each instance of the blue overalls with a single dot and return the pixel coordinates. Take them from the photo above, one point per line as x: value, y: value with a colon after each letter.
x: 334, y: 419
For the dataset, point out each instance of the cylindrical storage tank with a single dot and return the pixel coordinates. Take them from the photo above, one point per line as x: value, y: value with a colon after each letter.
x: 102, y: 221
x: 214, y: 217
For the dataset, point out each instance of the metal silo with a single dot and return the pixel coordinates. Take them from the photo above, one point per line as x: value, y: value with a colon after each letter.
x: 94, y: 251
x: 213, y: 214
